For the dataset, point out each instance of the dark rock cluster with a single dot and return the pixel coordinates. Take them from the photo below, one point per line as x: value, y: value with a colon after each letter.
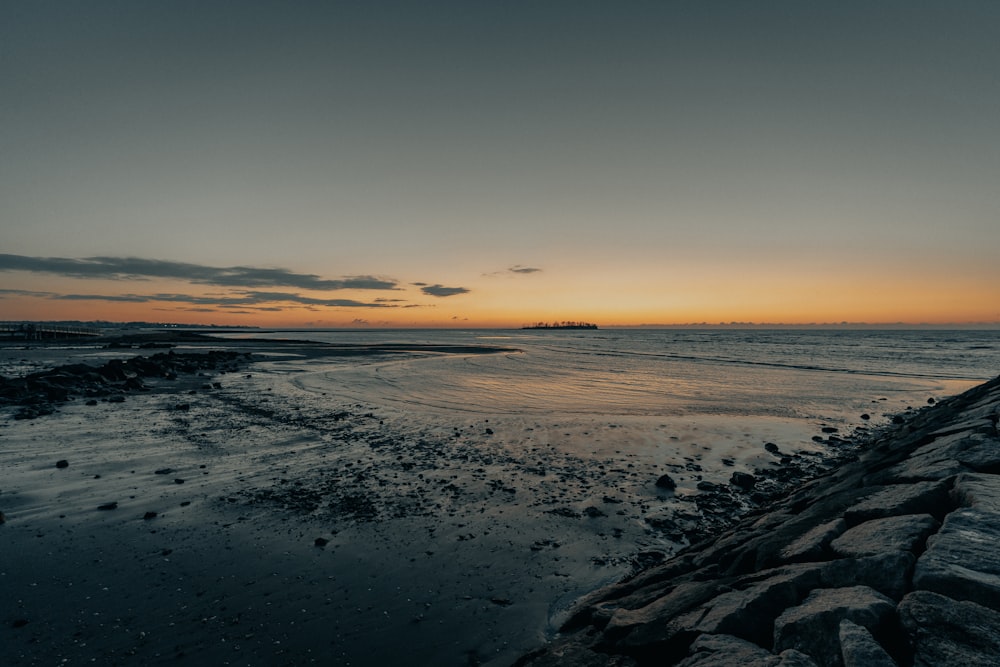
x: 888, y: 561
x: 37, y: 394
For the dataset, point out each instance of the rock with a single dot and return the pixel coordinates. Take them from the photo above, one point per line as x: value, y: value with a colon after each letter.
x: 866, y: 416
x: 178, y: 481
x: 666, y: 482
x: 749, y: 611
x: 149, y: 515
x: 813, y: 626
x: 859, y: 649
x: 62, y: 463
x: 895, y: 533
x: 981, y: 453
x: 743, y: 480
x: 793, y: 658
x: 321, y: 542
x: 727, y: 651
x: 946, y: 456
x: 108, y: 506
x: 961, y: 559
x: 163, y: 471
x: 813, y: 545
x: 771, y: 448
x: 979, y: 491
x: 655, y: 614
x: 888, y: 573
x: 944, y: 631
x: 569, y: 654
x: 919, y: 498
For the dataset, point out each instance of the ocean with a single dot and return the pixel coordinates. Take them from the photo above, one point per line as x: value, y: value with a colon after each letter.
x: 828, y: 375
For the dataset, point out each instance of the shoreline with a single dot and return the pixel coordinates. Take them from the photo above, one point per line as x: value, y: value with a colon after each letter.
x: 885, y: 561
x: 307, y: 529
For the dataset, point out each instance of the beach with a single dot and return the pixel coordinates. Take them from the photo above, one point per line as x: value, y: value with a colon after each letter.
x: 246, y: 515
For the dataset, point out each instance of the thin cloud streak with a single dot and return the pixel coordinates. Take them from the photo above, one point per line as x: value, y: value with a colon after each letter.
x: 244, y: 299
x: 134, y: 268
x: 442, y: 291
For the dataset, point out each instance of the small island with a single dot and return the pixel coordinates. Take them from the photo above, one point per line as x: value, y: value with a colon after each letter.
x: 560, y: 325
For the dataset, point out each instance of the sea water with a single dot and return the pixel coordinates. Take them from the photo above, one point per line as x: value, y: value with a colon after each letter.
x: 808, y: 374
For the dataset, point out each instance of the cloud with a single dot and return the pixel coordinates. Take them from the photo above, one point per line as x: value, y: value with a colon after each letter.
x: 517, y: 269
x: 134, y: 268
x: 242, y: 299
x: 24, y: 292
x: 442, y: 291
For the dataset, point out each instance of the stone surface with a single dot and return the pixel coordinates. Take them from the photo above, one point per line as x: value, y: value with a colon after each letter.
x: 888, y: 573
x: 813, y: 626
x: 749, y: 613
x: 859, y: 649
x: 679, y: 600
x: 813, y: 545
x: 726, y: 651
x: 961, y: 559
x: 919, y: 498
x: 943, y: 631
x: 896, y: 533
x: 573, y: 654
x: 978, y: 490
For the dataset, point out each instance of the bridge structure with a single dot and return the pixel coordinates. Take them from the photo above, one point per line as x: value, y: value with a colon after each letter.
x: 44, y: 331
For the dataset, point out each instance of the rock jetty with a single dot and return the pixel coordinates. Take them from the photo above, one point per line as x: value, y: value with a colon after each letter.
x: 37, y: 394
x: 890, y: 560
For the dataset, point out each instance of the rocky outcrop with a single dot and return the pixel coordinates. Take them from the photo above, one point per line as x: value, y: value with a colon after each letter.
x: 38, y: 393
x: 888, y: 560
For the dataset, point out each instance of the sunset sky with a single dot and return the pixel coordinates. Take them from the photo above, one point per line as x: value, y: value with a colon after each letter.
x: 496, y: 163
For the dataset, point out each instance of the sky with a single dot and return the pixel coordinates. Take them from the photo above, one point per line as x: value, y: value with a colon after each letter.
x: 488, y: 164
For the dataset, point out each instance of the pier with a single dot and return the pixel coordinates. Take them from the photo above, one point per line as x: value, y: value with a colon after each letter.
x: 44, y: 331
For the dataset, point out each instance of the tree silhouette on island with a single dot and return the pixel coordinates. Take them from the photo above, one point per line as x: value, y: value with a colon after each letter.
x: 560, y: 325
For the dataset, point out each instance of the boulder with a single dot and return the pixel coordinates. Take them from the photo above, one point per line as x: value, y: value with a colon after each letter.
x: 726, y: 651
x: 859, y: 649
x: 666, y: 482
x: 918, y: 498
x: 978, y: 490
x: 813, y: 626
x: 743, y: 481
x: 888, y: 573
x: 961, y: 560
x: 895, y: 533
x: 749, y: 613
x: 944, y: 631
x: 813, y: 545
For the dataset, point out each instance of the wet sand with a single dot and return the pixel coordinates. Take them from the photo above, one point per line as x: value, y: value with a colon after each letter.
x: 266, y: 523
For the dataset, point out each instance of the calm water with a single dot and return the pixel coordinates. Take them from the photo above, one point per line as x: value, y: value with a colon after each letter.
x: 812, y: 374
